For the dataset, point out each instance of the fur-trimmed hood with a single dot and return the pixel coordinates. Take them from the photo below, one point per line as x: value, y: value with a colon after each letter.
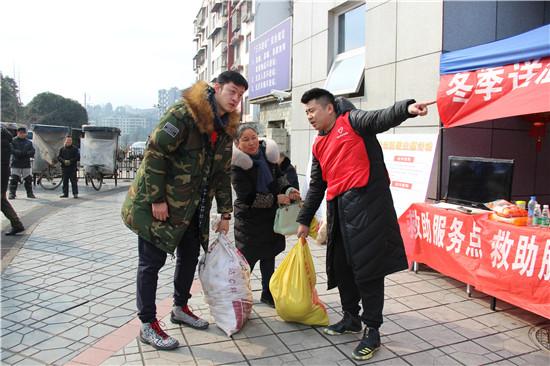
x: 244, y: 161
x: 196, y: 101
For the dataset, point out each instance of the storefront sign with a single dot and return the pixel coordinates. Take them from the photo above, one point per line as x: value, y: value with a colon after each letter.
x: 270, y: 61
x: 511, y: 263
x: 495, y: 92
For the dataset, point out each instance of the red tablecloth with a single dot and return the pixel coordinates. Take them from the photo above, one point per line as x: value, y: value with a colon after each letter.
x: 508, y: 262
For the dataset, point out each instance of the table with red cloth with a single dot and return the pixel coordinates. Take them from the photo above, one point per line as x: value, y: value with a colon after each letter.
x: 511, y: 263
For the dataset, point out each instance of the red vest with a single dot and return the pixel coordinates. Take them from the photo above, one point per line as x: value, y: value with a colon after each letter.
x: 343, y: 157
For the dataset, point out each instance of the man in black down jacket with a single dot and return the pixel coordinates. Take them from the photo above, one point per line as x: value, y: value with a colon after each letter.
x: 22, y: 151
x: 7, y: 209
x: 69, y: 157
x: 364, y: 241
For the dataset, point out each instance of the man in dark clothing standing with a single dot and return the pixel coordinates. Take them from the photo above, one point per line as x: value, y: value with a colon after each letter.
x: 364, y: 241
x: 69, y: 157
x: 7, y: 209
x: 22, y: 151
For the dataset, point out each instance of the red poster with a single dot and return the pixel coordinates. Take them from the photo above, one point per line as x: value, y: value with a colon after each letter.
x: 496, y: 92
x: 511, y: 263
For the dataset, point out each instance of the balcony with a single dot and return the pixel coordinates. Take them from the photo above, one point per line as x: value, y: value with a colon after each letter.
x: 216, y: 5
x: 217, y: 25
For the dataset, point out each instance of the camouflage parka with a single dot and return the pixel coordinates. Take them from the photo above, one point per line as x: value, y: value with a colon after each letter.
x: 178, y: 163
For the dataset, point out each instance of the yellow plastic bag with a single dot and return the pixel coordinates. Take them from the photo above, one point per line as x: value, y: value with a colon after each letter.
x: 293, y: 288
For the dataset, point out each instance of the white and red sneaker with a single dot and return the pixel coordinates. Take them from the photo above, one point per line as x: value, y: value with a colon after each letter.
x: 152, y: 334
x: 184, y: 315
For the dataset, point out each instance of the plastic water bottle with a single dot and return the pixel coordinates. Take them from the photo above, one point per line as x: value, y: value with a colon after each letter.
x: 544, y: 220
x: 537, y: 215
x: 531, y: 210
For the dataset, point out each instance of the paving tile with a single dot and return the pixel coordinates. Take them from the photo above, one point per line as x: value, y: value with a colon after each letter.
x: 394, y: 307
x: 538, y: 358
x: 470, y: 353
x: 431, y: 357
x: 500, y: 321
x: 411, y: 320
x: 405, y: 343
x: 438, y: 335
x: 211, y: 335
x: 416, y: 302
x: 470, y: 328
x: 504, y: 345
x: 261, y: 347
x: 253, y: 328
x: 29, y: 362
x: 34, y: 337
x: 217, y: 353
x: 321, y: 356
x: 288, y: 359
x: 397, y: 291
x: 52, y: 355
x: 303, y: 340
x: 469, y: 308
x: 278, y: 325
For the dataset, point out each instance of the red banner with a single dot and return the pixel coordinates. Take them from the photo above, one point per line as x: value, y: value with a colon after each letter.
x: 511, y: 263
x: 496, y: 92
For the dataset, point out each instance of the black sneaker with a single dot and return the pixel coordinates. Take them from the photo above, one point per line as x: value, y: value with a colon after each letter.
x: 348, y: 324
x: 15, y: 230
x: 368, y: 345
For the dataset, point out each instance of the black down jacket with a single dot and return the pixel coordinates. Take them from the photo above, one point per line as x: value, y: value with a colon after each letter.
x: 22, y: 151
x: 254, y: 211
x: 367, y: 218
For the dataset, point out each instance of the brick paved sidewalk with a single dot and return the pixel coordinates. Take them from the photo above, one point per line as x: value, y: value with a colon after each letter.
x: 68, y: 297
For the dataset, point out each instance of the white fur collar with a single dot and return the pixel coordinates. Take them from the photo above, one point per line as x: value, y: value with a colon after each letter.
x: 243, y: 160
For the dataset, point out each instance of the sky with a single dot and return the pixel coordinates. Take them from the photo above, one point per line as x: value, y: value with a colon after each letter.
x: 118, y: 51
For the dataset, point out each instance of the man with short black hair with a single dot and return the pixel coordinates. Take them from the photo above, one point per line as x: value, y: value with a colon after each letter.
x: 186, y: 163
x: 22, y: 151
x: 69, y: 157
x: 364, y: 240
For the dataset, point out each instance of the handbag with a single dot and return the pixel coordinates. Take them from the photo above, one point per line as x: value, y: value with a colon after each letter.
x: 285, y: 219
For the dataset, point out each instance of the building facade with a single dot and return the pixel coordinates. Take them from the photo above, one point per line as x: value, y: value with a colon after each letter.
x: 167, y: 97
x: 377, y: 52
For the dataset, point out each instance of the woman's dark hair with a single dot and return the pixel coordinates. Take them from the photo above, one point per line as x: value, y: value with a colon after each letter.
x: 241, y: 130
x: 232, y: 77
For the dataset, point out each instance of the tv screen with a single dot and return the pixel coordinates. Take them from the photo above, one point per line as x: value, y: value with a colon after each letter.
x: 475, y: 181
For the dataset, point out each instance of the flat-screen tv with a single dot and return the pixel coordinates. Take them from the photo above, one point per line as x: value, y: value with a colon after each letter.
x: 475, y: 181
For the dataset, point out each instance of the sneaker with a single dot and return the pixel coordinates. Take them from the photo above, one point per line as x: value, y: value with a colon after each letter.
x: 267, y: 299
x: 152, y: 334
x: 184, y: 315
x: 75, y: 196
x: 15, y: 231
x: 11, y: 196
x: 368, y: 345
x: 30, y: 195
x: 348, y: 324
x: 63, y: 196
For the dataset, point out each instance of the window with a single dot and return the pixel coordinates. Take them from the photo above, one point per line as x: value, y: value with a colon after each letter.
x: 351, y: 29
x: 348, y: 68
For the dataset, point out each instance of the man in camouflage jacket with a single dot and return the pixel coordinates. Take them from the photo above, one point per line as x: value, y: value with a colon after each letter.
x: 187, y: 162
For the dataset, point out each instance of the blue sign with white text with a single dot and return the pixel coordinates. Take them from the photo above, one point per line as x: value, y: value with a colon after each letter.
x: 270, y: 60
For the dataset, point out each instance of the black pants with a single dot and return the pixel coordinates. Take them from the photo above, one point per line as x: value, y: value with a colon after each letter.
x: 7, y: 208
x: 371, y: 293
x: 69, y: 173
x: 152, y: 259
x: 267, y: 267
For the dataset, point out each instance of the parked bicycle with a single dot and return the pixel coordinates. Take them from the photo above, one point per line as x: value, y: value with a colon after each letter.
x: 50, y: 178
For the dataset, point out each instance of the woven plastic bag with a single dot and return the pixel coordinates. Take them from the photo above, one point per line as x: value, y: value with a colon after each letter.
x: 293, y: 288
x: 225, y: 277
